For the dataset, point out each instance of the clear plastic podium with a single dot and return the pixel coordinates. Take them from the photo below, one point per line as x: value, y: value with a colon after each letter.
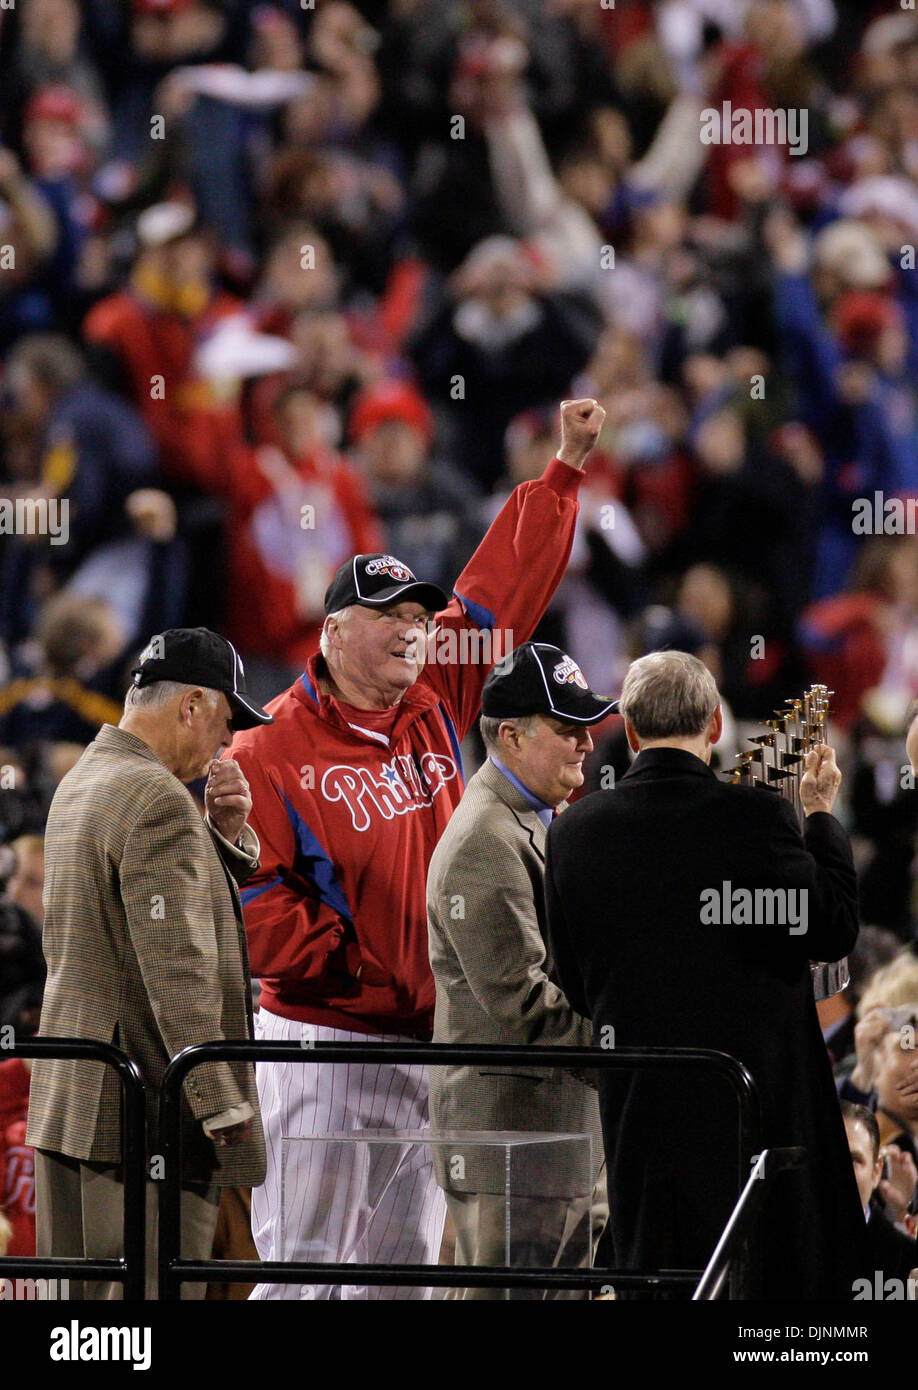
x: 517, y: 1191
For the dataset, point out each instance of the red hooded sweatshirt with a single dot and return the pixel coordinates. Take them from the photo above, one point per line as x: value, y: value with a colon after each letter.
x: 348, y: 817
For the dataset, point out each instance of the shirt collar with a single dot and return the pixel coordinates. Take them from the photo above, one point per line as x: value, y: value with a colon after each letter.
x: 541, y: 808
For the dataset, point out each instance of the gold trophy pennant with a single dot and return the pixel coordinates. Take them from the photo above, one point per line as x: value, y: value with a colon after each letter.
x: 776, y: 761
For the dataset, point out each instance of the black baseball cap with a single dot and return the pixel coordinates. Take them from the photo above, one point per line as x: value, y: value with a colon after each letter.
x: 197, y: 656
x: 537, y: 678
x: 376, y: 580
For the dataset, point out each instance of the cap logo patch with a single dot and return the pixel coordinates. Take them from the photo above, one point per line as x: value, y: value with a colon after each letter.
x: 154, y: 651
x: 388, y: 564
x: 567, y: 672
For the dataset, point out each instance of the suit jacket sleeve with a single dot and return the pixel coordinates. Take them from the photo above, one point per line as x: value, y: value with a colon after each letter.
x: 499, y: 944
x: 565, y: 965
x: 166, y: 891
x: 241, y: 860
x: 824, y: 862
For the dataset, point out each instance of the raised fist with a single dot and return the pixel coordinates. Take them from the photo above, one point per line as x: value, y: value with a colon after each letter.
x: 581, y: 422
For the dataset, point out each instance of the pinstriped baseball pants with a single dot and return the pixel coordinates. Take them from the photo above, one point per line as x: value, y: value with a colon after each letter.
x: 342, y: 1202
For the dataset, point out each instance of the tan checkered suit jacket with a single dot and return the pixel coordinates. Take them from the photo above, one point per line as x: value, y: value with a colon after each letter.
x: 485, y: 914
x: 145, y: 945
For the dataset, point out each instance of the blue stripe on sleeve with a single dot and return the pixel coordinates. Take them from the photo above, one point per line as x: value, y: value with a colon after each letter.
x: 312, y: 863
x: 480, y: 616
x: 454, y: 740
x: 248, y: 895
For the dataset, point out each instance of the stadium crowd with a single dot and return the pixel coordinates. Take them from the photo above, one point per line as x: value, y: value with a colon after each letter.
x: 281, y: 283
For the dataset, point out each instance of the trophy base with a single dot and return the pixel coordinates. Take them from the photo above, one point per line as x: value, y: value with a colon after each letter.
x: 829, y: 977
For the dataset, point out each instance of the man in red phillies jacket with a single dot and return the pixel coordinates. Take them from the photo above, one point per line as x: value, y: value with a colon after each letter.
x: 352, y: 787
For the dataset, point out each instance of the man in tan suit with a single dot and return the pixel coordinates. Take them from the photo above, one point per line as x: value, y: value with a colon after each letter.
x: 146, y: 949
x: 485, y: 914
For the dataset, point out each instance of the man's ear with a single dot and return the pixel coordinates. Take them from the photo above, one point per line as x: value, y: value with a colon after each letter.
x: 508, y: 736
x: 189, y: 703
x: 716, y: 726
x: 634, y: 743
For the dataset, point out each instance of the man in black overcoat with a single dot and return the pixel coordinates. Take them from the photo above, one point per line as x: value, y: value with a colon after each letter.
x: 652, y: 934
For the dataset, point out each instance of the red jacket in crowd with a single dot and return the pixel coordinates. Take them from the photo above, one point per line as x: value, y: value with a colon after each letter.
x: 17, y: 1159
x: 155, y: 349
x: 291, y: 523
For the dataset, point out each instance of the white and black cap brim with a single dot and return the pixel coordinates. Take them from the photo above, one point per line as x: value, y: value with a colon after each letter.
x: 246, y: 714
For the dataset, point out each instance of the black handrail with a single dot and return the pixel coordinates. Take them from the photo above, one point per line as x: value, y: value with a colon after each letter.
x: 736, y: 1232
x: 173, y: 1271
x: 130, y: 1270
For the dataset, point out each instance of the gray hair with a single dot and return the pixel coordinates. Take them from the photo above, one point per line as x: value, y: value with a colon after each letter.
x: 159, y: 693
x: 489, y: 725
x: 668, y: 695
x: 324, y: 643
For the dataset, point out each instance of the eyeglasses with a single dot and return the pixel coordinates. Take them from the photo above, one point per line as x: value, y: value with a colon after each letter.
x: 425, y: 620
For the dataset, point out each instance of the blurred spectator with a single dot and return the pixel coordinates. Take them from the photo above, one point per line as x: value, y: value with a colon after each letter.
x: 22, y: 967
x: 17, y: 1160
x: 28, y: 877
x: 897, y: 1117
x: 889, y: 1251
x: 456, y: 203
x: 874, y: 948
x: 146, y: 335
x: 497, y: 347
x: 697, y: 625
x: 60, y: 135
x: 161, y: 34
x: 853, y: 362
x: 89, y: 450
x: 892, y: 986
x: 427, y: 509
x: 884, y: 815
x: 326, y: 359
x: 296, y: 511
x: 27, y: 223
x: 66, y: 679
x: 354, y: 204
x: 604, y: 581
x: 864, y: 642
x: 50, y: 53
x: 299, y: 274
x: 22, y: 808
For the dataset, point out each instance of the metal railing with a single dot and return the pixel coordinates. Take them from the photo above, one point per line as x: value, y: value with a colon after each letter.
x: 736, y: 1233
x: 130, y: 1269
x: 174, y: 1271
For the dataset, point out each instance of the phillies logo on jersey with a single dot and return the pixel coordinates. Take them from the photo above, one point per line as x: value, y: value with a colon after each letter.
x: 388, y: 564
x: 567, y: 672
x: 20, y: 1179
x: 405, y: 783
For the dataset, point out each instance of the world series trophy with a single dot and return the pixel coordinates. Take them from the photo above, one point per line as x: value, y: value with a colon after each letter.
x: 777, y: 762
